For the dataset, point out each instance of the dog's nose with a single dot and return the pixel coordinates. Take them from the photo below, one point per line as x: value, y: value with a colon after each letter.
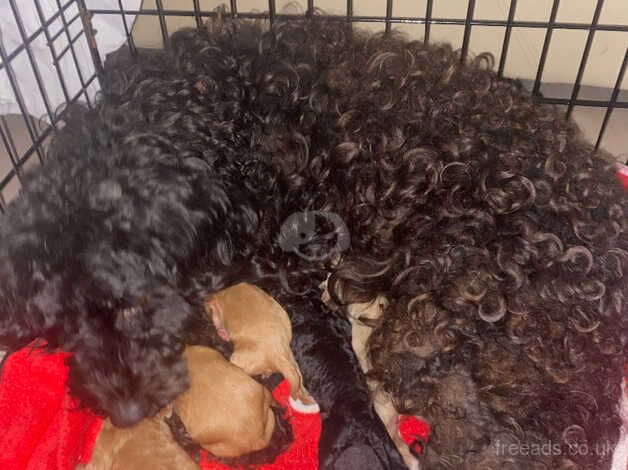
x: 127, y: 414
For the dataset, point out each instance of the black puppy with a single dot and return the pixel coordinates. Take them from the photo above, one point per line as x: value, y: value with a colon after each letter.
x: 353, y: 436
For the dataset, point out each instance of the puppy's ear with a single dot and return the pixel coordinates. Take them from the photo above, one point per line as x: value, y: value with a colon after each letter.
x: 214, y: 311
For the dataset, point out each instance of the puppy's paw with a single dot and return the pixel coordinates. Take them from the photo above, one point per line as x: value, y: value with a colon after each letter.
x: 310, y: 407
x: 304, y: 397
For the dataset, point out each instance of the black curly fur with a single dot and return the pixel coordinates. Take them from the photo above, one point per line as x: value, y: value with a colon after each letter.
x: 496, y: 233
x: 106, y: 240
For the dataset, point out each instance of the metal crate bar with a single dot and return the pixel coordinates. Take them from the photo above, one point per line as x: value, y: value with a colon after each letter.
x: 389, y: 14
x: 507, y: 34
x: 38, y: 142
x: 60, y: 32
x: 613, y: 102
x: 50, y: 42
x: 381, y: 19
x: 90, y: 37
x: 32, y: 132
x: 162, y: 23
x: 57, y: 57
x: 546, y: 44
x: 585, y: 57
x: 13, y: 54
x: 590, y: 103
x: 197, y: 16
x: 127, y: 31
x: 33, y: 63
x: 428, y: 21
x: 467, y: 30
x: 73, y: 54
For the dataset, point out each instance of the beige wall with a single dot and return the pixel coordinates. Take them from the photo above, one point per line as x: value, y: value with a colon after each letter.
x: 525, y: 47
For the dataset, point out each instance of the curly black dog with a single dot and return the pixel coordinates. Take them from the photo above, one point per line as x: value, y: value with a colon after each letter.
x: 496, y: 233
x: 99, y: 249
x: 144, y: 206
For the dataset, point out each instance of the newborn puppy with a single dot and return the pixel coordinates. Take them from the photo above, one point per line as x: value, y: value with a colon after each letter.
x: 224, y: 411
x: 148, y: 444
x: 361, y: 317
x: 352, y: 435
x: 260, y: 331
x: 238, y: 418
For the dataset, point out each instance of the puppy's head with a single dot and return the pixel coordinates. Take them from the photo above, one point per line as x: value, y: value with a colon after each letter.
x: 231, y: 309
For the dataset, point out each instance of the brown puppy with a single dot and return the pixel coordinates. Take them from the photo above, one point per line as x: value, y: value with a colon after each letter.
x: 260, y: 331
x: 224, y: 410
x: 227, y: 412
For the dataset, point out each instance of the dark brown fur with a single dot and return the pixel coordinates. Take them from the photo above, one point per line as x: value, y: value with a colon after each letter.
x: 497, y: 234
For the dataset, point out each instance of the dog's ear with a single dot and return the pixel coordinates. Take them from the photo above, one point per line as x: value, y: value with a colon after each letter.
x: 214, y: 311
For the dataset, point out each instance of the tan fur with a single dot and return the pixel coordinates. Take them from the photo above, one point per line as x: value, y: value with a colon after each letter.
x: 382, y: 401
x: 227, y: 412
x: 260, y: 331
x: 237, y: 418
x: 147, y: 445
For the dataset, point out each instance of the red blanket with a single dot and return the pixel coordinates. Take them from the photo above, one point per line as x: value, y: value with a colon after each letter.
x: 43, y: 428
x: 622, y: 173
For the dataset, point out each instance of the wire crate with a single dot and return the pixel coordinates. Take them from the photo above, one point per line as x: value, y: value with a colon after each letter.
x: 66, y: 35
